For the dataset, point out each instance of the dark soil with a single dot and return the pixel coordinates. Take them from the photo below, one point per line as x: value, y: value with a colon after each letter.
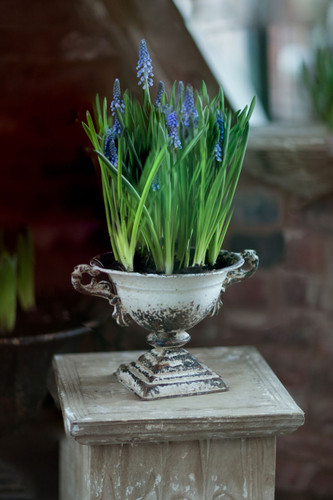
x: 144, y: 264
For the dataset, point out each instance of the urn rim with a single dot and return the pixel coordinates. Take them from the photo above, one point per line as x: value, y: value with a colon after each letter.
x: 97, y: 263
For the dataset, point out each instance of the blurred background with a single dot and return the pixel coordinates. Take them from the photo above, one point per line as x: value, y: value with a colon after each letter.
x: 55, y: 56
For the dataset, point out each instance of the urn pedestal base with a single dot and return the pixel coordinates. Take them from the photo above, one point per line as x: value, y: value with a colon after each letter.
x: 164, y: 373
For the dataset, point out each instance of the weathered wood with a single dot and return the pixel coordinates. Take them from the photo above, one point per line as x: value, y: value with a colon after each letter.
x: 233, y: 469
x: 99, y: 410
x: 220, y: 445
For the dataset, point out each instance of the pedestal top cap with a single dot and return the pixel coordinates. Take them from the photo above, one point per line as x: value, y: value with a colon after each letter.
x: 99, y: 410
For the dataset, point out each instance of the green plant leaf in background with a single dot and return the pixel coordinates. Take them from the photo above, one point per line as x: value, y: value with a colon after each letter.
x: 25, y: 271
x: 8, y: 289
x: 318, y: 79
x: 16, y: 279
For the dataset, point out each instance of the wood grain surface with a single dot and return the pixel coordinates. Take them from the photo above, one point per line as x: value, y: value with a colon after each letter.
x: 229, y: 469
x: 99, y: 410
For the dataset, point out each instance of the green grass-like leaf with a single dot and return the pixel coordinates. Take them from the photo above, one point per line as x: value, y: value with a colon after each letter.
x: 8, y: 290
x: 25, y: 271
x: 318, y: 79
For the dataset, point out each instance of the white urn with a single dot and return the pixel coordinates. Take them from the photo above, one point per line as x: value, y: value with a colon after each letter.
x: 166, y: 305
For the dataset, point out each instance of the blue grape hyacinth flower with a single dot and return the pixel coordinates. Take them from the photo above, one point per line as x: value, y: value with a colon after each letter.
x: 190, y: 114
x: 180, y: 91
x: 155, y: 184
x: 110, y: 148
x: 160, y: 92
x: 117, y: 104
x: 144, y: 67
x: 219, y: 145
x: 173, y: 130
x: 218, y: 152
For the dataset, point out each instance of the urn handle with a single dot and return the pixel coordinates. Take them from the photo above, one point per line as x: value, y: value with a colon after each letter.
x: 251, y: 263
x: 100, y: 288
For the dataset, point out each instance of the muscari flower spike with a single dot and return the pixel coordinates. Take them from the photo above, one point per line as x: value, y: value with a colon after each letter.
x: 218, y: 148
x: 117, y: 104
x: 160, y: 92
x: 180, y: 91
x: 218, y: 153
x: 110, y: 148
x: 144, y: 67
x: 189, y: 112
x: 155, y: 184
x: 173, y: 130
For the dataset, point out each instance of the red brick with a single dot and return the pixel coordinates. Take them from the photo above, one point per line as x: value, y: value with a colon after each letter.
x: 293, y: 476
x: 302, y: 459
x: 251, y: 292
x: 326, y: 301
x: 319, y: 215
x: 321, y: 485
x: 297, y: 289
x: 304, y: 251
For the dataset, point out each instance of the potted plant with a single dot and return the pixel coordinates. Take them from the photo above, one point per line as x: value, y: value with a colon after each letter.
x: 318, y: 79
x: 169, y: 170
x: 31, y: 332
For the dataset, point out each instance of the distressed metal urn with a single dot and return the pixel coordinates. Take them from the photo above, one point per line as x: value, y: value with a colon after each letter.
x: 166, y: 305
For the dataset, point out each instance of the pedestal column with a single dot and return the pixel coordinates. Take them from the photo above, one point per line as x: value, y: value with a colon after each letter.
x: 219, y: 445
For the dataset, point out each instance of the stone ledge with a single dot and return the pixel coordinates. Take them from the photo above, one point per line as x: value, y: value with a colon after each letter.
x: 297, y: 160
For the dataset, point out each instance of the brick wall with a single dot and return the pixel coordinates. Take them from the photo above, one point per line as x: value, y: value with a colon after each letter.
x: 286, y: 309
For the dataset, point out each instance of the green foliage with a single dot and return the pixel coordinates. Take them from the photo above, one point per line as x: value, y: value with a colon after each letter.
x: 7, y: 291
x: 16, y: 279
x: 167, y: 193
x: 25, y: 271
x: 318, y: 79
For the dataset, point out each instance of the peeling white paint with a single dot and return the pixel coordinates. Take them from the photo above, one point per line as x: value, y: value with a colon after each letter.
x: 129, y: 490
x: 158, y: 479
x: 174, y: 486
x: 245, y: 492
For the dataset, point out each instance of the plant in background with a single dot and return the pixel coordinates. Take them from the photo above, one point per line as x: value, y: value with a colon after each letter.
x: 318, y: 79
x: 169, y: 171
x: 16, y: 279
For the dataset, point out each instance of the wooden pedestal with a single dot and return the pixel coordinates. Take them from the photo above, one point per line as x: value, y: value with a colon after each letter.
x: 216, y: 446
